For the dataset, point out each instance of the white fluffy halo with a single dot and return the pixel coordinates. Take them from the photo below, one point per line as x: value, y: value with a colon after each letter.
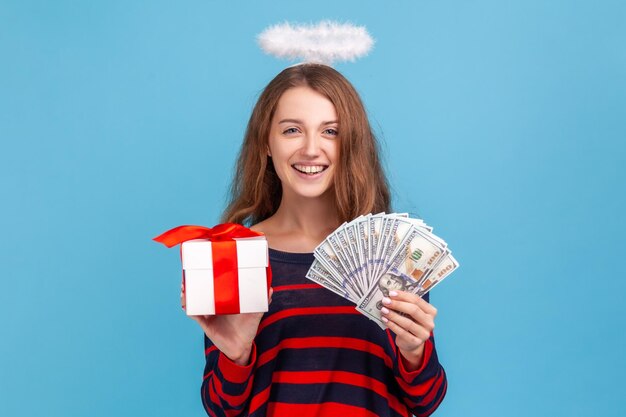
x: 326, y: 42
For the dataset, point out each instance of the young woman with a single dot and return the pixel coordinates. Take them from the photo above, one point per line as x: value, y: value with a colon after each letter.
x: 308, y: 163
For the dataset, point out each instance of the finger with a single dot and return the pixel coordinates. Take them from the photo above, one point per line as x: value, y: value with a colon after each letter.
x: 413, y: 311
x: 410, y: 326
x: 415, y: 299
x: 403, y: 336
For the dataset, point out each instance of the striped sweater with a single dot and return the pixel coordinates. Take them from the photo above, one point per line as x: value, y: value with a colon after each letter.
x: 315, y: 355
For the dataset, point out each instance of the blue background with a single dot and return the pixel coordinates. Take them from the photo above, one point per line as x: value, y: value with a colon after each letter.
x: 502, y: 125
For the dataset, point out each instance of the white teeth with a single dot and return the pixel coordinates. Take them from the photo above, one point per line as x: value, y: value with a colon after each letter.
x: 310, y: 169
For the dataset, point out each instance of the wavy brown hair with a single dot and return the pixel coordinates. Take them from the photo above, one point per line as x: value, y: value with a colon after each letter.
x: 359, y: 182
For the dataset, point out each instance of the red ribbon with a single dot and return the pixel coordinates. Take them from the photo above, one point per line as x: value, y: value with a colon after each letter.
x: 224, y: 252
x: 219, y: 233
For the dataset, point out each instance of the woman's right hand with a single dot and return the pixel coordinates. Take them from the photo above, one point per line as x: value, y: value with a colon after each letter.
x: 232, y: 334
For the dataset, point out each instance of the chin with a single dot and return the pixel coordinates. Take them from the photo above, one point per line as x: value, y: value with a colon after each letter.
x: 313, y: 192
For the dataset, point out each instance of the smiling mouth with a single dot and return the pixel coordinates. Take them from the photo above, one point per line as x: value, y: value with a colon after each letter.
x: 309, y: 169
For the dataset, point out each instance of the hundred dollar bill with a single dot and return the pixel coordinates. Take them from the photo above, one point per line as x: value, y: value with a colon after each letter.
x: 330, y: 255
x: 445, y: 267
x: 416, y: 258
x: 341, y: 237
x: 339, y: 280
x: 344, y: 259
x: 370, y: 237
x: 319, y: 274
x: 362, y: 238
x: 410, y: 259
x: 375, y: 229
x: 397, y: 233
x: 353, y: 247
x: 325, y: 254
x: 390, y: 281
x: 370, y: 304
x: 384, y: 234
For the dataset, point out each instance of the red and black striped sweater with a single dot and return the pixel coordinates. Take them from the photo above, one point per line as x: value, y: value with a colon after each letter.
x: 315, y: 355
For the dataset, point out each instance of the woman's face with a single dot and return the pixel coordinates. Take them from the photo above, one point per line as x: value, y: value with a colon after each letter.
x: 303, y: 142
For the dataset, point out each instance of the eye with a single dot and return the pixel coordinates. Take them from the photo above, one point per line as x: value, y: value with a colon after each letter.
x: 331, y: 131
x: 290, y: 131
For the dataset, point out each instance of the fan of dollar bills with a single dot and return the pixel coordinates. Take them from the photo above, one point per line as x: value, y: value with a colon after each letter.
x: 368, y: 257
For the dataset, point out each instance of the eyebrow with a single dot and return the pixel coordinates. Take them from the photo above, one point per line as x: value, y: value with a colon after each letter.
x: 297, y: 121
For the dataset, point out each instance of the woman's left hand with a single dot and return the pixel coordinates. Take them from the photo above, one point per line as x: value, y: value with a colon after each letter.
x: 412, y: 320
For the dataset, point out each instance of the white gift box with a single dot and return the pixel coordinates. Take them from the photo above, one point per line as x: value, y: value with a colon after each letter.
x: 198, y: 268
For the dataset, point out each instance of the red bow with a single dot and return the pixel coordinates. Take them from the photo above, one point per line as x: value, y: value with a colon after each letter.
x: 220, y: 233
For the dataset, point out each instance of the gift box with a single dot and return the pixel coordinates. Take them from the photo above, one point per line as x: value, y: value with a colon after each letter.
x: 235, y: 282
x: 225, y: 272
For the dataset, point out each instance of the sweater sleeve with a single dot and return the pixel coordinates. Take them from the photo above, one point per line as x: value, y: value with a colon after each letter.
x: 424, y: 388
x: 226, y: 386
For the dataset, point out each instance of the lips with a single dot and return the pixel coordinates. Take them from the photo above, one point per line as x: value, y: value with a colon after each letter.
x: 309, y: 169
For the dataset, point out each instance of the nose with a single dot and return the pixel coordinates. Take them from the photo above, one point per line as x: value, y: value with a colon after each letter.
x: 311, y: 146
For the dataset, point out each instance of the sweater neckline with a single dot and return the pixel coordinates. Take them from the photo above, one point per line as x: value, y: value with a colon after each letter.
x: 291, y: 257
